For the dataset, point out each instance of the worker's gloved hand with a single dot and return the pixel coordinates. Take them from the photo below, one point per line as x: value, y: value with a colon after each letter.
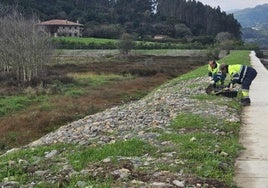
x: 225, y: 89
x: 228, y: 87
x: 231, y: 86
x: 212, y: 82
x: 209, y: 89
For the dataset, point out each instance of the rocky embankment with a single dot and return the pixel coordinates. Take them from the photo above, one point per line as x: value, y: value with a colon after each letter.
x: 139, y: 119
x: 127, y: 121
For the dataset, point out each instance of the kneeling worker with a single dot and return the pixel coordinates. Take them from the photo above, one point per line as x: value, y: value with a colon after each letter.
x: 217, y: 78
x: 240, y: 74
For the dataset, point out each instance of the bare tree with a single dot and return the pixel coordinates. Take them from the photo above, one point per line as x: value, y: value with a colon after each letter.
x: 24, y: 48
x: 225, y: 41
x: 126, y: 43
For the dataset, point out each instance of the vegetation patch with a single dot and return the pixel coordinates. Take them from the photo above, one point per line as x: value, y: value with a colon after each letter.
x: 206, y: 146
x: 77, y: 86
x: 93, y: 79
x: 129, y: 148
x: 11, y: 104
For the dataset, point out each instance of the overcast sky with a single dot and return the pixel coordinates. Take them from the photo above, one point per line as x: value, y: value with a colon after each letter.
x: 226, y: 5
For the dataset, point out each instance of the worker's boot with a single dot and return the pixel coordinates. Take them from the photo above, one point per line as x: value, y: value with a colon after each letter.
x: 245, y: 101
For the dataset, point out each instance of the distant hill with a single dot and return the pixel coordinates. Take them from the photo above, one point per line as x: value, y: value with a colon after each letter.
x: 254, y: 22
x: 253, y: 17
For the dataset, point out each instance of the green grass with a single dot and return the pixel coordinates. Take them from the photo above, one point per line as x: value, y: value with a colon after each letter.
x: 128, y: 148
x: 237, y: 57
x: 86, y: 40
x: 192, y: 121
x: 84, y: 82
x: 89, y: 81
x: 100, y: 43
x: 93, y: 80
x: 11, y: 104
x: 13, y: 166
x: 75, y: 93
x: 204, y: 151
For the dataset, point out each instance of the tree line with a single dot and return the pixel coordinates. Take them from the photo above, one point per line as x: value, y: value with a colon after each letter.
x: 182, y: 19
x: 24, y: 50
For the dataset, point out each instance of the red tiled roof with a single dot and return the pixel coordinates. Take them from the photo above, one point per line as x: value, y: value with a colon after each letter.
x: 59, y: 22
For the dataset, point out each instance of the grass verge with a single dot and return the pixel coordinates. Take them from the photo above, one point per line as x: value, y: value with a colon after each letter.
x: 206, y: 147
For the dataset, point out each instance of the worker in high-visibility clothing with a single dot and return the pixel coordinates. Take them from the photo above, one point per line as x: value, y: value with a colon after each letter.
x: 213, y: 68
x: 240, y: 74
x: 217, y: 78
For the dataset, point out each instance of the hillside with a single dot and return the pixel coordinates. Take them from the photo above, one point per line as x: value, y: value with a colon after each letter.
x: 178, y: 19
x: 253, y: 17
x: 254, y: 22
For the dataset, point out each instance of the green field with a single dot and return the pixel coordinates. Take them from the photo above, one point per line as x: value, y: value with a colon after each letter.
x: 85, y: 40
x: 99, y: 43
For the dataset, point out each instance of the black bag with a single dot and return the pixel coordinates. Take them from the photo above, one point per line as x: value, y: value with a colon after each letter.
x: 211, y: 90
